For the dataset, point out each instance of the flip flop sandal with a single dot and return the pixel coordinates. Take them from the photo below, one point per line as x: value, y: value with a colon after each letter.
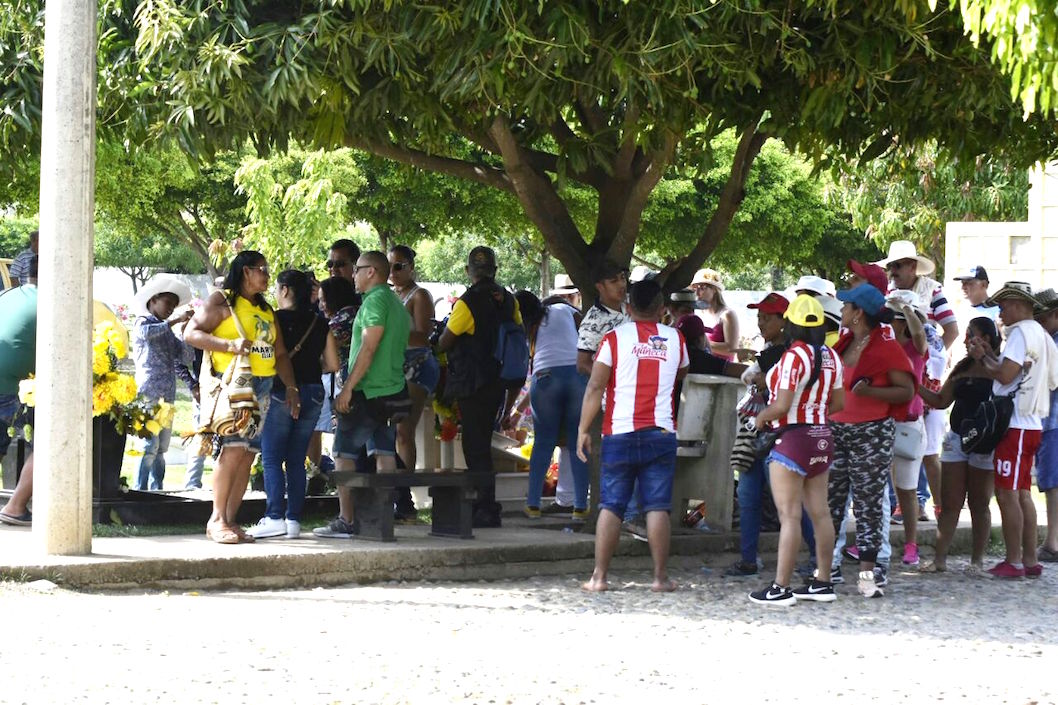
x: 1047, y: 555
x: 932, y: 567
x: 222, y: 535
x: 243, y: 536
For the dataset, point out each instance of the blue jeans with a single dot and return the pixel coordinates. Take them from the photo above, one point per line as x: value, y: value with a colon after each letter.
x: 750, y: 499
x: 152, y: 466
x: 196, y: 464
x: 286, y: 440
x: 556, y: 395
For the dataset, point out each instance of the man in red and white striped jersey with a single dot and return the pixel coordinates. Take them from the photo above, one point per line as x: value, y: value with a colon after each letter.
x: 636, y: 367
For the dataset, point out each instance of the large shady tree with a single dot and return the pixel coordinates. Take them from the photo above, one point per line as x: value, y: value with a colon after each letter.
x: 531, y: 98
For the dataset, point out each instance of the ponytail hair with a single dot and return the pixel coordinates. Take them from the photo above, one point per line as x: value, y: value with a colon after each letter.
x: 813, y: 337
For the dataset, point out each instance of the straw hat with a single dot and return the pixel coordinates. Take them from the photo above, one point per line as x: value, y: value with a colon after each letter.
x: 1047, y: 301
x: 905, y: 249
x: 1013, y: 290
x: 708, y: 276
x: 161, y: 284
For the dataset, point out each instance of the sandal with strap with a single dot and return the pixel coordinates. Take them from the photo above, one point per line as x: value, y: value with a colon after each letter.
x: 221, y: 534
x: 932, y: 567
x: 243, y: 536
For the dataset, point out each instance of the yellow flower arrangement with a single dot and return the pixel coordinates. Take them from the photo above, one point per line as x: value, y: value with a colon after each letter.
x: 113, y: 392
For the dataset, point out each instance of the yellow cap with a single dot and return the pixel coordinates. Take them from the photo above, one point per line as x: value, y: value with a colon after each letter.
x: 805, y: 311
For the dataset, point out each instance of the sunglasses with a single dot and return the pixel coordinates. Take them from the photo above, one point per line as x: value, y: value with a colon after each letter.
x: 262, y: 267
x: 358, y: 267
x: 336, y: 263
x: 898, y: 265
x: 400, y: 266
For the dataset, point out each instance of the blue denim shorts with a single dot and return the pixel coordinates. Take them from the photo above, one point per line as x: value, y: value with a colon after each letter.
x: 422, y: 368
x: 648, y: 456
x: 262, y: 389
x: 358, y: 429
x: 1047, y: 461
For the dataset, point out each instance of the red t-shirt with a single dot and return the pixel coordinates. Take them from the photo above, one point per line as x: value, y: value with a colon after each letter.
x: 881, y: 355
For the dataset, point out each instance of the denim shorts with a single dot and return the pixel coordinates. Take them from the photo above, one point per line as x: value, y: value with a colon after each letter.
x: 422, y: 368
x: 326, y: 421
x: 1047, y: 461
x: 952, y: 452
x: 648, y: 456
x: 358, y: 429
x: 262, y: 389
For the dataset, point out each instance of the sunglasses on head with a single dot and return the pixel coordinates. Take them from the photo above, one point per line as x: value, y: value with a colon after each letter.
x: 335, y: 263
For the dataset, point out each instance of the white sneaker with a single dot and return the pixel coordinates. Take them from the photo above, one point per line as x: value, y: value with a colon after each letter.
x: 293, y: 529
x: 267, y: 528
x: 867, y: 586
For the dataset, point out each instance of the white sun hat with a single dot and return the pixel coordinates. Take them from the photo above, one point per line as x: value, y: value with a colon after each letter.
x: 563, y: 285
x: 905, y: 249
x: 162, y: 283
x: 817, y: 285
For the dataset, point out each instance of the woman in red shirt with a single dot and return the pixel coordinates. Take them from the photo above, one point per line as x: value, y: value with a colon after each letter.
x: 804, y: 387
x: 878, y: 387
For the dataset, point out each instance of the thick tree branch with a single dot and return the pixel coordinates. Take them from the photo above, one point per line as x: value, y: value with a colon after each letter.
x: 628, y: 148
x: 542, y: 204
x: 625, y: 239
x: 679, y: 273
x: 562, y: 132
x: 482, y: 174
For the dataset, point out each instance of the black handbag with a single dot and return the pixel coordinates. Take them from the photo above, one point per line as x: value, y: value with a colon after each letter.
x: 983, y: 431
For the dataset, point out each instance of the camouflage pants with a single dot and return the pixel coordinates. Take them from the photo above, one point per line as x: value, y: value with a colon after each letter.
x: 862, y: 455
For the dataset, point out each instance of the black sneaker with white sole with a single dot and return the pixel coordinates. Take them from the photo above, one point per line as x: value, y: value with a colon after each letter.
x: 815, y: 591
x: 881, y: 575
x: 835, y: 575
x: 774, y: 594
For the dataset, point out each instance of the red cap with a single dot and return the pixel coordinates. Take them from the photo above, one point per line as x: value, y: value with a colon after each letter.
x: 772, y: 303
x: 872, y: 273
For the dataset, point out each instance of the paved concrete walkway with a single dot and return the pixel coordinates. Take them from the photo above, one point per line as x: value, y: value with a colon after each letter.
x: 194, y: 562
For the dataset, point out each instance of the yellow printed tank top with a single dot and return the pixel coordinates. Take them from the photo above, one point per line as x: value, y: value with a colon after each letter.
x: 260, y: 327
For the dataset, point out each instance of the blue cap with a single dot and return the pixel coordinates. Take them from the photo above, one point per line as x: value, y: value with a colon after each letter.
x: 865, y: 296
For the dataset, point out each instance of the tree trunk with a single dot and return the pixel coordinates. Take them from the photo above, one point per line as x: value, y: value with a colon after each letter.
x: 545, y: 274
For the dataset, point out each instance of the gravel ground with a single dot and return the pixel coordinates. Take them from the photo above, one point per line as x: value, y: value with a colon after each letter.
x: 944, y: 638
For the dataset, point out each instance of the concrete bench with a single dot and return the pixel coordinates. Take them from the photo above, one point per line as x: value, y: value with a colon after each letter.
x: 453, y: 493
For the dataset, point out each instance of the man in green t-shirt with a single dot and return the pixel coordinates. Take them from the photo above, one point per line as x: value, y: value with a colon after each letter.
x: 376, y: 370
x: 18, y: 353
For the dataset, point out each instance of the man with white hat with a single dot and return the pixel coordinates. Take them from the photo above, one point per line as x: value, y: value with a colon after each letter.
x: 909, y: 270
x: 160, y: 357
x: 565, y: 288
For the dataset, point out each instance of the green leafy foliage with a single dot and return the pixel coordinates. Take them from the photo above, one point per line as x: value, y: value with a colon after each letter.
x: 546, y: 102
x: 912, y: 194
x: 14, y: 235
x: 1022, y: 38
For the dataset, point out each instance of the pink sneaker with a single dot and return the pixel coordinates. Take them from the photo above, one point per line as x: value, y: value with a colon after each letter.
x: 1034, y: 571
x: 910, y: 554
x: 1006, y: 570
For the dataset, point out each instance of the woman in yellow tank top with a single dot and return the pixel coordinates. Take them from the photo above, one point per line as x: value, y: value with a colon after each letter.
x: 213, y: 329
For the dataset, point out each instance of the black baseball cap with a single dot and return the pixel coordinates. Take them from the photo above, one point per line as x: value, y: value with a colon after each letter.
x: 977, y: 273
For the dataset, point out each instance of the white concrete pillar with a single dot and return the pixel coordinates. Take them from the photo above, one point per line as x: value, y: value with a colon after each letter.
x: 62, y: 493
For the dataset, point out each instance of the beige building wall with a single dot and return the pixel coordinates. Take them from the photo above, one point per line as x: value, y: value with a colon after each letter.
x: 1025, y: 251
